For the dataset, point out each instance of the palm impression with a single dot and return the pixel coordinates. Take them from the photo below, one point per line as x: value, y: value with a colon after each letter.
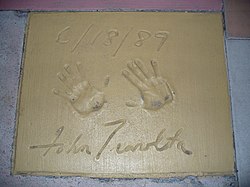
x: 82, y: 96
x: 154, y: 89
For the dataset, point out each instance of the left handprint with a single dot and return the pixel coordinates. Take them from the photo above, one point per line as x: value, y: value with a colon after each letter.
x: 82, y: 96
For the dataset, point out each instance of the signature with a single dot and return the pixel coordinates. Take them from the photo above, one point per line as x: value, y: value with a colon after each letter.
x: 161, y: 143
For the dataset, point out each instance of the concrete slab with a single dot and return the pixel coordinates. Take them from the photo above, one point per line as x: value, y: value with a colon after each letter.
x: 209, y: 5
x: 41, y: 112
x: 12, y: 32
x: 239, y: 68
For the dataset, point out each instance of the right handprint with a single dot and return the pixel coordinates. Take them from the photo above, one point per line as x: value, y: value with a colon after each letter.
x: 154, y: 89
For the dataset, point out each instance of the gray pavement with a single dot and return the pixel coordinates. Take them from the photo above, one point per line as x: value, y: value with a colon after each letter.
x: 238, y: 52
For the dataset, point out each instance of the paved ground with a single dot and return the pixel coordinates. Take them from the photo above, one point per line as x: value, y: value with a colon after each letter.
x: 238, y: 52
x: 12, y: 29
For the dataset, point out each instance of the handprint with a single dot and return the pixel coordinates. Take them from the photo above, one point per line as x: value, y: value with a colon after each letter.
x: 82, y: 96
x: 154, y: 89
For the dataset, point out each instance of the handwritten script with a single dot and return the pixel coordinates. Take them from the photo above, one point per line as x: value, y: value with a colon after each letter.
x: 161, y: 143
x: 111, y: 37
